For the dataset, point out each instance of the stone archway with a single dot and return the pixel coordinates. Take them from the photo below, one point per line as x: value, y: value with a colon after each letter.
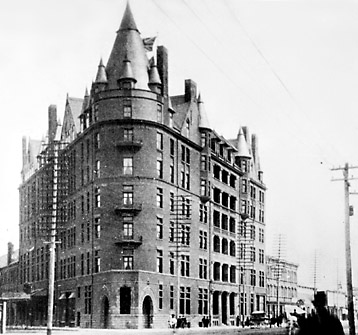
x: 148, y: 312
x: 105, y: 313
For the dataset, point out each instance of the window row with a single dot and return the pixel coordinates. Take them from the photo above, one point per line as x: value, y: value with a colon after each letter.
x: 224, y: 176
x: 224, y: 246
x: 224, y: 199
x: 224, y: 222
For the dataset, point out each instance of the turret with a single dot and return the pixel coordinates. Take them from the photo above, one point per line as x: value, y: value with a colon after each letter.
x: 203, y: 118
x: 243, y: 154
x: 52, y: 123
x: 155, y: 83
x: 128, y: 46
x: 101, y: 78
x: 126, y: 80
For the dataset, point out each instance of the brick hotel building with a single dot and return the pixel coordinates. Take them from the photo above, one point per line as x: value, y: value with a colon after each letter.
x: 155, y: 213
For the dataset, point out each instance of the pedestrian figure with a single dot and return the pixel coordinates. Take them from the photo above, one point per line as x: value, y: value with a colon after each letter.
x: 320, y: 322
x: 172, y: 321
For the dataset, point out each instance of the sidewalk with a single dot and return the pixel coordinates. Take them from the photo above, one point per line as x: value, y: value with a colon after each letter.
x: 182, y: 331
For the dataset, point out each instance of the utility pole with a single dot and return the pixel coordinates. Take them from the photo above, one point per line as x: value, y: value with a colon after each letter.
x: 347, y: 212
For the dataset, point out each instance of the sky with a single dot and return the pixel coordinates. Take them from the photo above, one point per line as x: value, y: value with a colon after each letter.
x: 286, y: 69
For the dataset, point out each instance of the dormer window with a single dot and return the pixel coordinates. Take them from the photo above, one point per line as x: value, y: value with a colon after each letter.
x: 171, y: 119
x: 126, y: 85
x: 159, y: 113
x: 187, y: 127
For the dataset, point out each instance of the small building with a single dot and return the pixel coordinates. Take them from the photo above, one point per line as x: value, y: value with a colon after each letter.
x: 281, y: 285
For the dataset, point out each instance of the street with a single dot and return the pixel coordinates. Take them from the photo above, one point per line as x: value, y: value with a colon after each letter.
x: 186, y: 331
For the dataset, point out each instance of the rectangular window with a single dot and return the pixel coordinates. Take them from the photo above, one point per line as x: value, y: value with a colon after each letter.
x: 184, y: 300
x: 159, y: 197
x: 171, y: 297
x: 159, y: 228
x: 97, y: 197
x: 160, y: 141
x: 203, y: 301
x: 171, y: 119
x: 203, y: 213
x: 82, y: 264
x: 185, y: 265
x: 97, y: 226
x: 203, y: 240
x: 97, y: 261
x: 88, y: 299
x: 160, y: 295
x: 159, y: 261
x: 88, y: 263
x: 203, y: 268
x: 128, y: 165
x: 159, y: 113
x: 127, y: 108
x: 261, y: 256
x: 172, y: 202
x: 97, y: 169
x: 262, y: 279
x: 128, y: 262
x: 253, y: 277
x: 171, y: 263
x: 172, y: 232
x: 128, y: 195
x: 128, y: 135
x: 128, y: 226
x: 97, y: 142
x: 160, y: 165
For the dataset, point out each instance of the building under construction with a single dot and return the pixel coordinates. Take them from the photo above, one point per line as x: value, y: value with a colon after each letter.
x: 153, y: 212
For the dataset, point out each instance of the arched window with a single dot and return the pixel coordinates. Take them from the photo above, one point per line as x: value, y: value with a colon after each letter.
x: 224, y: 246
x: 225, y: 273
x: 232, y: 248
x: 216, y: 243
x: 216, y: 271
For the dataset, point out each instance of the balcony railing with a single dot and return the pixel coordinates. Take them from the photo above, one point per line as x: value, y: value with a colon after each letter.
x: 134, y: 208
x: 129, y: 240
x: 130, y: 143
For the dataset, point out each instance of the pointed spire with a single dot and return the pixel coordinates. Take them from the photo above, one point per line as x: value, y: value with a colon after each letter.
x: 154, y: 75
x: 128, y: 22
x: 170, y: 105
x: 101, y: 77
x: 128, y: 45
x: 203, y: 118
x: 242, y: 148
x: 86, y: 101
x: 127, y: 72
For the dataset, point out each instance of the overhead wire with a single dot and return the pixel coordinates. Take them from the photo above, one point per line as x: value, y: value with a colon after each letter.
x: 232, y: 12
x: 219, y: 68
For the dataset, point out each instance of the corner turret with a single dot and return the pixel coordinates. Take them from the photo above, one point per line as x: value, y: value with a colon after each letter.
x: 128, y: 46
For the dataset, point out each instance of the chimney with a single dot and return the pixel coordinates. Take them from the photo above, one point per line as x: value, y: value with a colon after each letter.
x: 10, y: 252
x: 190, y: 90
x: 24, y: 151
x: 52, y: 122
x: 162, y: 65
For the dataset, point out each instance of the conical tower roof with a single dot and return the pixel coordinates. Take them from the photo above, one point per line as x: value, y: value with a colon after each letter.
x: 127, y: 72
x: 154, y: 75
x: 128, y: 45
x: 86, y: 100
x: 242, y: 148
x: 101, y: 77
x: 203, y: 118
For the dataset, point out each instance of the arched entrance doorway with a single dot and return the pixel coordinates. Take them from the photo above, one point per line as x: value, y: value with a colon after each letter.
x: 148, y: 312
x: 105, y: 312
